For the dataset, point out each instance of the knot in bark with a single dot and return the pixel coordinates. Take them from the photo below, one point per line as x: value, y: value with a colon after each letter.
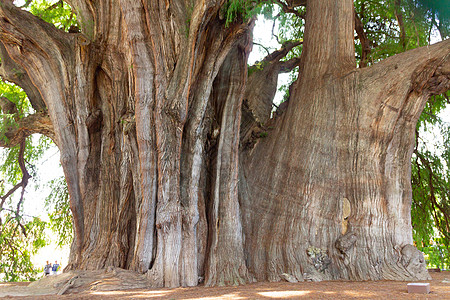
x: 345, y: 242
x: 433, y: 78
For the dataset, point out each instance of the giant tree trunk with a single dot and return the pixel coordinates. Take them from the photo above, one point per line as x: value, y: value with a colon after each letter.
x: 145, y: 107
x: 327, y: 194
x: 128, y: 99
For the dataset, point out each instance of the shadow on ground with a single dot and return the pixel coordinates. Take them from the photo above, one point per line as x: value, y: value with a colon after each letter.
x: 101, y: 289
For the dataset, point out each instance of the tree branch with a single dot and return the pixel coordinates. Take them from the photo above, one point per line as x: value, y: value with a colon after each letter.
x: 287, y: 66
x: 25, y: 177
x: 433, y: 78
x: 273, y: 30
x: 9, y: 193
x: 289, y: 8
x: 35, y: 123
x: 59, y: 3
x: 399, y: 17
x: 365, y: 43
x: 280, y: 53
x: 258, y: 98
x: 24, y: 182
x: 13, y: 72
x: 424, y: 71
x: 24, y: 30
x: 262, y: 46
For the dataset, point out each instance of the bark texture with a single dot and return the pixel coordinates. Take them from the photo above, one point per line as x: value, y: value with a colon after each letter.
x: 128, y: 100
x: 166, y: 178
x: 334, y: 201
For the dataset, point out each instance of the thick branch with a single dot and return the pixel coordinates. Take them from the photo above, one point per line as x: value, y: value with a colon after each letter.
x: 287, y: 66
x: 262, y: 86
x: 398, y: 87
x: 13, y: 72
x: 434, y: 77
x: 16, y: 26
x: 329, y: 39
x: 282, y: 52
x: 35, y: 123
x: 425, y: 70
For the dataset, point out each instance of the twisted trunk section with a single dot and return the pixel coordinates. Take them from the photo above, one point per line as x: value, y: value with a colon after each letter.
x: 128, y: 99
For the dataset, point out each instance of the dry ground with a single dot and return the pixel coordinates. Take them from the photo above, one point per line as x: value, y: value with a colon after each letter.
x: 440, y: 289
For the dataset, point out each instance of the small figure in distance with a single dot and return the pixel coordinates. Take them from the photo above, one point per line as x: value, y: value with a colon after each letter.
x: 55, y: 268
x: 47, y: 268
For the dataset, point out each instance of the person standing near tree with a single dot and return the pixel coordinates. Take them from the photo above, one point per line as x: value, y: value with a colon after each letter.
x: 55, y: 268
x: 47, y: 268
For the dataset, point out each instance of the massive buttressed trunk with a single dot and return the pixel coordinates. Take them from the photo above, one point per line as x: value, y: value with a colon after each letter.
x: 166, y: 178
x: 129, y: 99
x: 327, y: 194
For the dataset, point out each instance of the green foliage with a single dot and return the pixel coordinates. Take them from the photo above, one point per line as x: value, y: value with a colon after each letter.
x: 16, y: 95
x: 16, y: 249
x: 20, y: 236
x: 34, y: 149
x: 57, y: 204
x: 259, y: 65
x: 263, y: 134
x: 441, y: 7
x: 288, y: 21
x: 430, y: 175
x: 241, y: 9
x: 56, y: 12
x: 9, y: 169
x: 383, y: 30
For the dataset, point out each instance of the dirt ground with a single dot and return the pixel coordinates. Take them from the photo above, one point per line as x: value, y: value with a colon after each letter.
x: 440, y: 289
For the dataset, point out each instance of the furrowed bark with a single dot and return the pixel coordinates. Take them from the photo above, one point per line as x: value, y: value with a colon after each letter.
x: 333, y: 216
x: 21, y: 32
x: 143, y: 72
x: 13, y: 72
x: 194, y: 140
x: 226, y: 264
x: 145, y: 106
x: 120, y: 127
